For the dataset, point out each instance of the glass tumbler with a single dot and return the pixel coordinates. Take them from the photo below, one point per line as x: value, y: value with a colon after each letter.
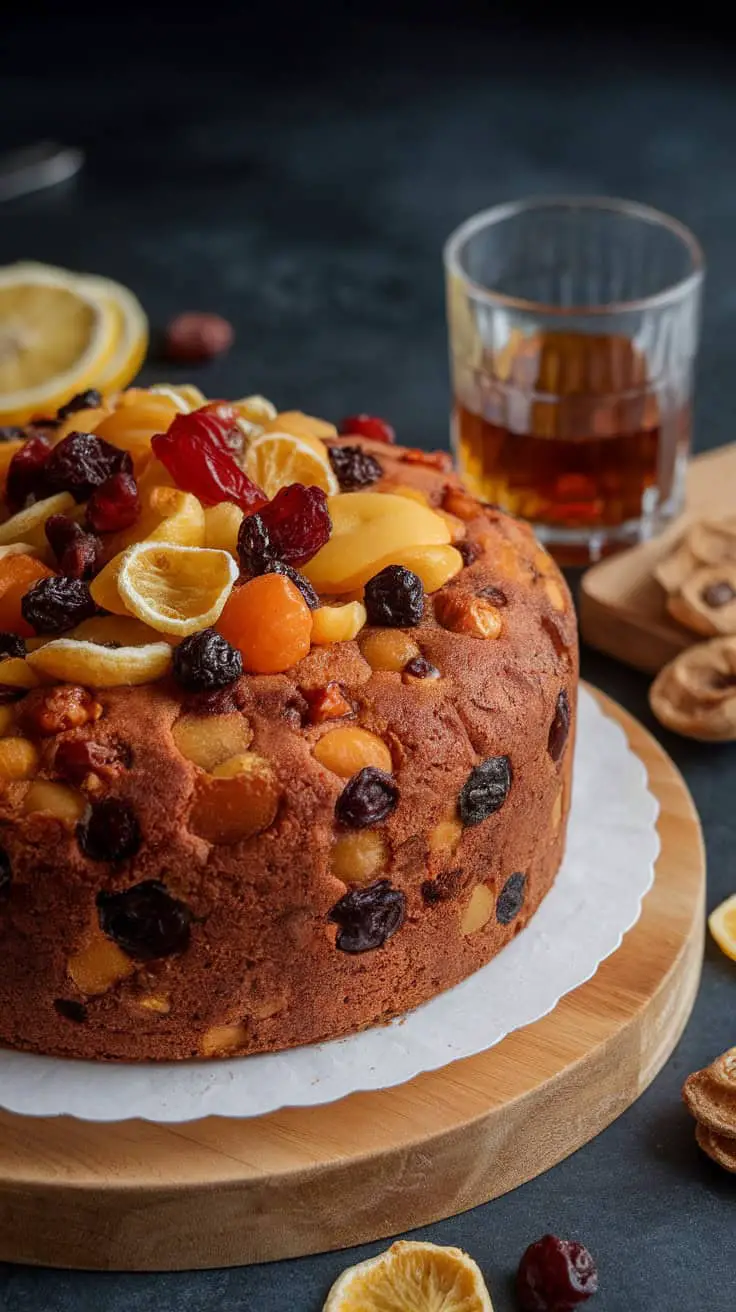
x: 573, y: 327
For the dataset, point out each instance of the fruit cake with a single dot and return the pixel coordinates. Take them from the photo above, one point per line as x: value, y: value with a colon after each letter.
x: 286, y: 727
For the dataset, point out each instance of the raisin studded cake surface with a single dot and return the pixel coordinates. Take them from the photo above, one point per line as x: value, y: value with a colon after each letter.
x: 223, y: 861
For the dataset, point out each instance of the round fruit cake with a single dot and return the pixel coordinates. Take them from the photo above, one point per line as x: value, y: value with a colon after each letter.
x: 286, y: 727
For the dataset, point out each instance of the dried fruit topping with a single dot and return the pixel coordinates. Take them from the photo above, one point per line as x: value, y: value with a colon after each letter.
x: 456, y: 501
x: 78, y: 554
x: 367, y: 917
x: 26, y: 472
x: 71, y: 1010
x: 470, y: 551
x: 48, y: 711
x: 421, y: 668
x: 337, y: 623
x: 460, y: 612
x: 718, y: 594
x: 76, y: 758
x: 206, y: 661
x: 299, y: 581
x: 494, y: 595
x: 328, y: 703
x: 370, y: 530
x: 511, y: 899
x: 367, y: 799
x: 395, y: 597
x: 560, y: 727
x: 11, y: 645
x: 442, y: 460
x: 89, y: 400
x: 57, y: 603
x: 297, y: 522
x: 485, y: 790
x: 349, y: 749
x: 146, y: 921
x: 199, y: 463
x: 6, y: 873
x: 194, y: 337
x: 555, y: 1275
x: 269, y: 622
x: 114, y: 504
x: 11, y: 433
x: 368, y: 426
x: 81, y: 462
x: 353, y: 467
x: 257, y: 556
x: 109, y: 831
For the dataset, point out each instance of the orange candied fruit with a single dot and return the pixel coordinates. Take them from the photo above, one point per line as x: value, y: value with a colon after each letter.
x: 328, y: 703
x: 269, y: 622
x: 18, y: 574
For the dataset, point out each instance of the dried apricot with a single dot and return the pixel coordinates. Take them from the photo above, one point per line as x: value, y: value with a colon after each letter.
x: 269, y: 622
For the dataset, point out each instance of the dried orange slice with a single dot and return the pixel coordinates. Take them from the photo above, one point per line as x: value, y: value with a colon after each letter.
x: 274, y: 460
x: 722, y: 925
x: 412, y: 1277
x: 173, y: 588
x: 95, y: 666
x: 131, y: 331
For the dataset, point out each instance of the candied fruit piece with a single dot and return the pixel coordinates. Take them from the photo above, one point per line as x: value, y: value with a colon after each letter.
x: 221, y: 1039
x: 560, y: 727
x: 368, y: 917
x: 349, y: 749
x: 199, y: 463
x: 146, y: 920
x: 76, y: 758
x: 158, y: 1003
x: 435, y: 565
x: 367, y: 799
x: 555, y: 1275
x: 109, y: 831
x: 230, y: 810
x: 478, y: 911
x: 329, y: 703
x: 81, y: 462
x: 368, y: 426
x: 99, y: 965
x: 99, y: 666
x: 462, y: 613
x: 26, y: 472
x: 206, y: 661
x: 18, y: 758
x: 511, y: 898
x: 337, y: 623
x: 193, y: 337
x: 56, y: 799
x: 114, y: 505
x: 269, y: 622
x: 485, y: 790
x: 353, y: 467
x: 395, y: 598
x: 54, y: 710
x: 370, y: 530
x: 78, y: 554
x: 357, y: 857
x: 221, y: 527
x: 55, y: 604
x: 388, y: 649
x: 208, y: 740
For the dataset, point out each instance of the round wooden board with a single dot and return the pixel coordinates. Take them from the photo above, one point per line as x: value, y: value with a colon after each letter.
x: 137, y: 1196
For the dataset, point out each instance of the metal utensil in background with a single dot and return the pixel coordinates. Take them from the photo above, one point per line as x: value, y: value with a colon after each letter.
x: 32, y: 168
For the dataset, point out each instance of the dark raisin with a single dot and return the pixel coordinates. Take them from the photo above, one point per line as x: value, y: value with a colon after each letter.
x: 470, y: 551
x: 446, y: 886
x: 494, y: 595
x: 75, y: 758
x: 109, y: 831
x: 367, y: 799
x: 71, y: 1010
x: 11, y: 645
x: 353, y: 467
x: 79, y: 554
x: 555, y: 1275
x: 81, y: 462
x: 6, y: 873
x: 11, y: 433
x: 114, y: 505
x: 89, y: 400
x: 57, y: 603
x: 254, y: 545
x: 420, y: 668
x: 26, y: 472
x: 395, y: 598
x: 559, y: 728
x: 368, y: 916
x: 146, y: 921
x: 485, y: 790
x: 297, y: 522
x: 299, y: 581
x: 206, y: 661
x: 511, y: 899
x: 718, y: 594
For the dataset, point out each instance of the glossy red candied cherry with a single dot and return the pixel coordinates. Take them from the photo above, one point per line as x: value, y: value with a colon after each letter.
x: 114, y: 505
x: 223, y: 421
x: 555, y: 1275
x: 199, y: 463
x: 368, y: 426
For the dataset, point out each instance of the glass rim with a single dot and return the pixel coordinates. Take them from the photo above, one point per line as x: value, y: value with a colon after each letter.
x: 633, y: 209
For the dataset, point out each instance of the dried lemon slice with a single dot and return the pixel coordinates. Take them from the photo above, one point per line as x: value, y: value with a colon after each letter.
x: 131, y: 331
x: 94, y: 666
x: 412, y: 1277
x: 722, y: 925
x: 275, y: 460
x: 175, y: 589
x: 186, y: 397
x: 28, y: 524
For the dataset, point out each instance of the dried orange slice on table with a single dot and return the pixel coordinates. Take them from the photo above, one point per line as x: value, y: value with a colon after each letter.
x: 412, y: 1277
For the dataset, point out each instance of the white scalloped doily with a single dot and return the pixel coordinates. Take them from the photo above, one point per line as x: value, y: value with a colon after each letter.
x: 609, y: 866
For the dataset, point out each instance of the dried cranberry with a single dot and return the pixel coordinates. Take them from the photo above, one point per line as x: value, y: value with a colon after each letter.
x: 368, y: 426
x: 198, y: 463
x: 718, y: 594
x: 26, y: 472
x: 206, y: 661
x: 297, y: 523
x: 367, y: 799
x: 75, y: 758
x: 79, y: 554
x: 11, y: 645
x: 555, y: 1275
x: 89, y: 400
x: 470, y: 551
x: 81, y: 462
x: 395, y: 598
x: 114, y: 504
x: 511, y: 899
x: 109, y: 831
x: 71, y: 1010
x: 420, y: 668
x: 6, y: 873
x: 194, y: 337
x: 146, y: 921
x: 353, y: 468
x: 485, y: 790
x: 560, y: 727
x: 57, y: 603
x: 494, y: 595
x: 368, y: 916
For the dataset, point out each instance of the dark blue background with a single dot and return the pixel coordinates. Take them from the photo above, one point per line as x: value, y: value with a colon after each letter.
x: 300, y: 176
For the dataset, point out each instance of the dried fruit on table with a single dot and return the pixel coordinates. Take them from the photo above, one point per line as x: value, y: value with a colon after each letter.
x: 194, y: 337
x: 555, y: 1275
x: 90, y: 663
x: 199, y: 464
x: 411, y: 1277
x: 695, y: 694
x: 276, y: 460
x: 269, y: 622
x: 175, y: 589
x: 368, y: 426
x: 722, y: 925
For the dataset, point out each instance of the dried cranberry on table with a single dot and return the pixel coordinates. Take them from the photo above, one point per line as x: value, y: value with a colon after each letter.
x: 6, y: 873
x: 560, y: 727
x: 199, y: 463
x: 114, y: 505
x: 368, y: 798
x: 368, y: 426
x: 485, y: 790
x: 81, y: 462
x: 11, y: 645
x: 146, y: 921
x: 89, y: 400
x: 367, y: 917
x: 56, y: 604
x: 555, y: 1275
x: 354, y: 468
x: 26, y: 473
x: 511, y: 898
x: 109, y: 831
x: 194, y: 337
x: 206, y: 661
x: 78, y: 554
x: 395, y: 598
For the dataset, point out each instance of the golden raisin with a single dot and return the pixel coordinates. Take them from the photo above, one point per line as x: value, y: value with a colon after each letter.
x: 462, y: 613
x: 347, y: 750
x: 388, y: 649
x: 99, y: 965
x: 220, y: 1039
x: 445, y: 836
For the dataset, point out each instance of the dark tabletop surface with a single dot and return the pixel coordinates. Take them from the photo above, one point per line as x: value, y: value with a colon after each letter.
x: 301, y: 182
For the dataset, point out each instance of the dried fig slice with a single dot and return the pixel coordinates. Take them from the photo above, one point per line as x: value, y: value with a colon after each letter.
x: 707, y: 601
x: 695, y: 694
x: 674, y: 569
x: 713, y: 541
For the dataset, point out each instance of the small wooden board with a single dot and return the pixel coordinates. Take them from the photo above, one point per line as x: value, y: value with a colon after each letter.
x: 622, y: 609
x: 137, y: 1196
